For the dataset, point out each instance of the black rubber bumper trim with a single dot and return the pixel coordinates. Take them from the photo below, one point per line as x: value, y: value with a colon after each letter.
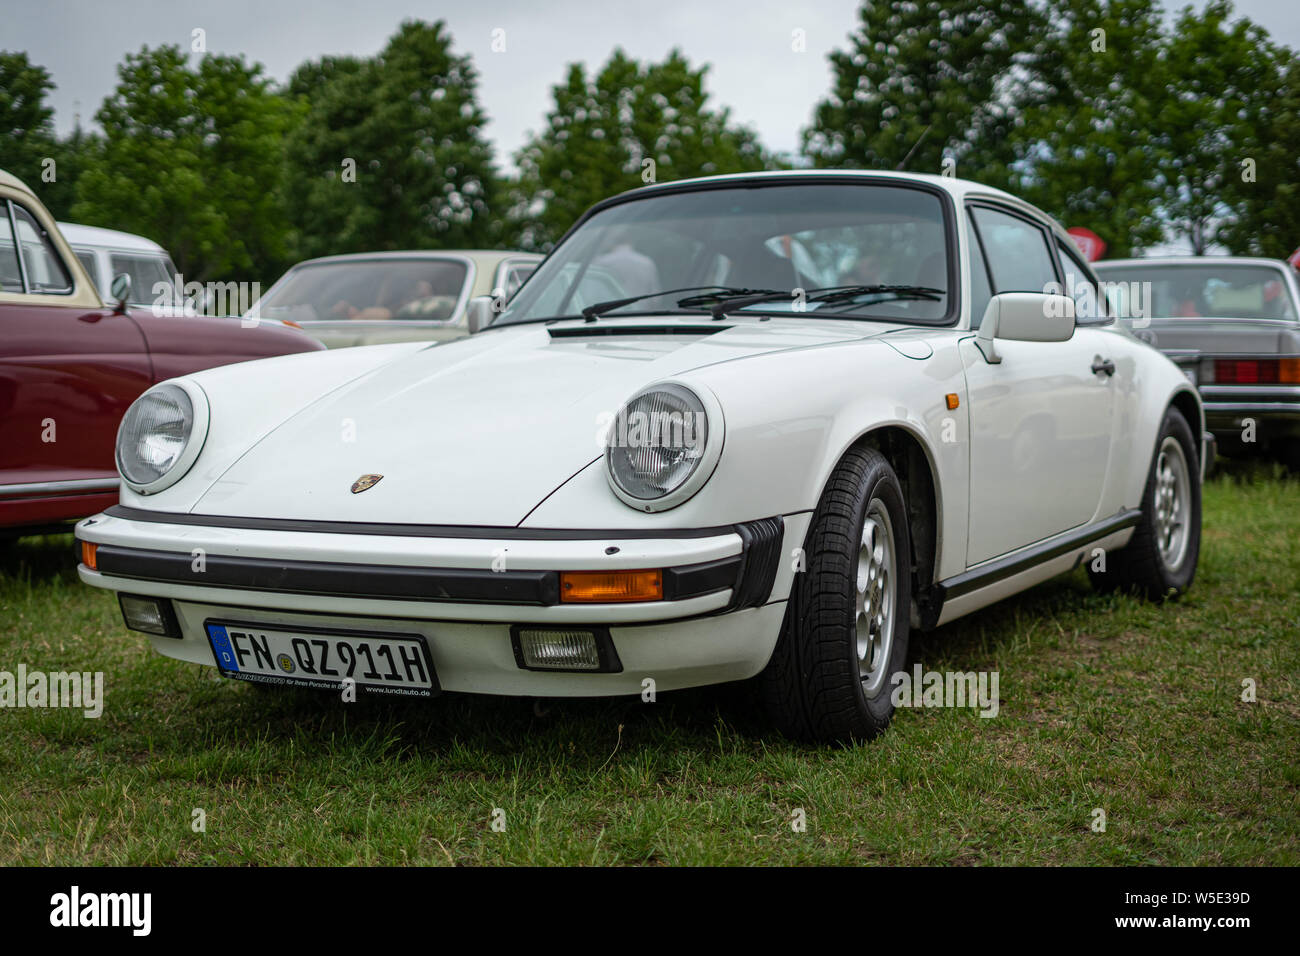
x: 395, y: 582
x: 694, y: 580
x: 536, y: 588
x: 412, y: 530
x: 760, y: 559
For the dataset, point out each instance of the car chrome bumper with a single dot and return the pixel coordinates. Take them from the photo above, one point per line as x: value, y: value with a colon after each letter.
x: 1228, y: 406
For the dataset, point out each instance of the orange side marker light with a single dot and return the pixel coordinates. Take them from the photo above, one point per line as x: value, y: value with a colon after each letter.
x: 610, y: 587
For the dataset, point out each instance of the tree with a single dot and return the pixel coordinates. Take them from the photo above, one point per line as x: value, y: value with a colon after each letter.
x: 26, y: 122
x: 927, y: 81
x: 1217, y: 72
x: 629, y: 124
x: 1263, y: 190
x: 389, y: 152
x: 1088, y: 146
x: 191, y: 159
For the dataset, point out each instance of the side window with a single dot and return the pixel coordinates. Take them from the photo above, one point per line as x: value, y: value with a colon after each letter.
x: 1089, y: 305
x: 45, y: 270
x: 11, y: 277
x: 980, y: 290
x: 146, y: 272
x: 1018, y: 255
x: 515, y: 276
x: 87, y: 260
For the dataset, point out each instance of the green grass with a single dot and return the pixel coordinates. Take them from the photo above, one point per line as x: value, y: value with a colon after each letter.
x: 1106, y: 702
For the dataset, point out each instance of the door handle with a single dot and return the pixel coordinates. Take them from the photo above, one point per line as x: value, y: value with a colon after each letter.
x: 1100, y: 364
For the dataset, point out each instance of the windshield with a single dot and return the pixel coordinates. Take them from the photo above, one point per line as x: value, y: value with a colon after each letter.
x: 1204, y: 291
x: 746, y: 239
x: 367, y: 289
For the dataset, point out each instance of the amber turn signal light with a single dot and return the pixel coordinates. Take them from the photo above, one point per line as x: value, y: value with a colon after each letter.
x: 610, y: 587
x: 88, y: 554
x: 953, y: 400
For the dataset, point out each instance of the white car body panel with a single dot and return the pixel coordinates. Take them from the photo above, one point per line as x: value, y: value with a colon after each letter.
x: 500, y: 433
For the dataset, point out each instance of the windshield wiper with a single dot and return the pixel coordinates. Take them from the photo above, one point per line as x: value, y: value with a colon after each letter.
x: 853, y: 291
x: 829, y: 294
x: 591, y: 312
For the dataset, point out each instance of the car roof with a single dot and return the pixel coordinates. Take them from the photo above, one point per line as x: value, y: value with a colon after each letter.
x: 959, y: 189
x: 79, y: 235
x: 1193, y: 261
x: 422, y: 254
x: 12, y: 181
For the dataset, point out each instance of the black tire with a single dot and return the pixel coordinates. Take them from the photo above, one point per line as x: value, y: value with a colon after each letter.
x: 1140, y: 566
x: 812, y: 687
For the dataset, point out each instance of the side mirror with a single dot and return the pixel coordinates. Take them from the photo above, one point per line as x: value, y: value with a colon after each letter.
x: 1024, y: 317
x: 479, y: 313
x: 120, y: 290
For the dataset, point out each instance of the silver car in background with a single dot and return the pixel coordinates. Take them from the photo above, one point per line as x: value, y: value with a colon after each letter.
x: 376, y: 297
x: 1233, y: 325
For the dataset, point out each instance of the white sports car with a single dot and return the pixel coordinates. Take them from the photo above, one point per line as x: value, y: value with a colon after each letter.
x: 747, y: 425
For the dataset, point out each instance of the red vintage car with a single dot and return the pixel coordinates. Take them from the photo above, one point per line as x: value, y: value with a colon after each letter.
x: 71, y: 364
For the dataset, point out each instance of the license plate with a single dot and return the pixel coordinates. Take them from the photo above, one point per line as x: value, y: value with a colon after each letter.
x: 379, y: 663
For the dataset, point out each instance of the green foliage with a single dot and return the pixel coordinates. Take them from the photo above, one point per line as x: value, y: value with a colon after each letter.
x: 26, y: 122
x: 407, y: 123
x: 629, y: 124
x: 928, y: 81
x: 1101, y: 112
x: 1264, y: 194
x: 1217, y: 72
x: 191, y: 159
x: 29, y: 148
x: 1089, y: 147
x: 1094, y: 110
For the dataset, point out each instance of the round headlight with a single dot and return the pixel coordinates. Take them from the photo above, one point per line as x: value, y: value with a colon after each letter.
x: 156, y: 436
x: 662, y: 446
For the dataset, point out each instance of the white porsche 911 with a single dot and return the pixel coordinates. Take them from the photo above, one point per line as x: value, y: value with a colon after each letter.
x: 747, y: 425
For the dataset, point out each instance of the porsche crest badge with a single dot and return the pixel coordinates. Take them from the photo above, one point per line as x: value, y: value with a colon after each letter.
x: 364, y: 483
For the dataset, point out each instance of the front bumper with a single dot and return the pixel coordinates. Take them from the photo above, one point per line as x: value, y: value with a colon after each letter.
x: 462, y: 589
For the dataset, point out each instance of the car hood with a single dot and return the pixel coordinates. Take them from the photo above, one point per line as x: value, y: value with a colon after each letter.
x: 480, y: 431
x: 1215, y: 336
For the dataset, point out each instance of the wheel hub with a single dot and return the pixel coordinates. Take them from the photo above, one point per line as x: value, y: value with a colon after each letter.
x: 1172, y: 503
x: 874, y: 618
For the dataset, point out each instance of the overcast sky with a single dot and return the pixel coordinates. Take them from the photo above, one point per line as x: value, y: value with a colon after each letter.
x: 753, y: 69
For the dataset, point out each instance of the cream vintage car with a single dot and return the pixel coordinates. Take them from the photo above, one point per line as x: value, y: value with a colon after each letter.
x: 377, y: 297
x: 754, y: 425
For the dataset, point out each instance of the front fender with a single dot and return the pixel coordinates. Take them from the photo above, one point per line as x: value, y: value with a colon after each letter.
x: 789, y: 418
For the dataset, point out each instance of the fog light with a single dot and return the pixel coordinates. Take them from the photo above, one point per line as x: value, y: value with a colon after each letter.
x: 149, y: 615
x: 564, y: 649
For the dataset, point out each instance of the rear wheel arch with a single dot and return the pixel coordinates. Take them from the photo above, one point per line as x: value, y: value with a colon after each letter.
x: 1186, y: 402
